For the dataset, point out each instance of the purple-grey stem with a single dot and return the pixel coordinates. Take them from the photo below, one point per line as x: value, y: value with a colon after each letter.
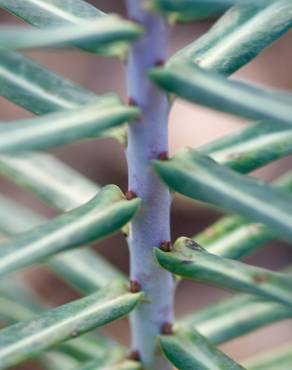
x: 148, y: 138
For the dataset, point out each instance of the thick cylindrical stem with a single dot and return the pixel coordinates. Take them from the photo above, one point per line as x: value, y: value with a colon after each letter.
x: 148, y: 139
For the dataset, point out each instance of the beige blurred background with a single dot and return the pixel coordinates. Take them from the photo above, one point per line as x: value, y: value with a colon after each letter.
x: 104, y: 162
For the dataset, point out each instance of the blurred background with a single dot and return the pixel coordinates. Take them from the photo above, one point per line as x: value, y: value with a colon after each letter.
x: 104, y: 163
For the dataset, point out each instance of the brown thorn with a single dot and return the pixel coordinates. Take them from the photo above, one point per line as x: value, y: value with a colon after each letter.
x: 167, y: 329
x: 130, y: 195
x: 135, y: 287
x: 132, y: 102
x: 163, y: 156
x: 165, y: 246
x: 159, y: 63
x: 258, y: 278
x: 134, y: 356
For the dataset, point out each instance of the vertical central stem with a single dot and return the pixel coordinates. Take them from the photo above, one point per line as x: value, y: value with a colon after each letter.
x: 148, y: 139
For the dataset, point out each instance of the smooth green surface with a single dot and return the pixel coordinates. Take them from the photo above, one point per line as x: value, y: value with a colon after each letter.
x: 228, y: 224
x: 45, y: 13
x: 251, y: 147
x: 54, y: 360
x: 52, y: 13
x: 279, y: 358
x: 18, y: 303
x: 61, y: 128
x: 48, y: 178
x: 38, y: 90
x: 124, y: 365
x: 215, y: 91
x: 196, y: 176
x: 234, y: 317
x: 225, y: 226
x: 189, y: 260
x: 84, y: 269
x: 235, y: 237
x: 83, y: 348
x: 105, y: 214
x: 27, y: 339
x: 187, y: 10
x: 12, y: 311
x: 32, y: 86
x: 101, y: 32
x: 239, y: 36
x: 189, y: 350
x: 93, y: 347
x: 238, y: 242
x: 15, y: 218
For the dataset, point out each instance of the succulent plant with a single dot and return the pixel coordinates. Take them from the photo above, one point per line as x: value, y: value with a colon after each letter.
x: 215, y: 174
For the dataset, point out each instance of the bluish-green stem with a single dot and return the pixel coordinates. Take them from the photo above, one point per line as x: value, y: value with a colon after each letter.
x: 148, y: 139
